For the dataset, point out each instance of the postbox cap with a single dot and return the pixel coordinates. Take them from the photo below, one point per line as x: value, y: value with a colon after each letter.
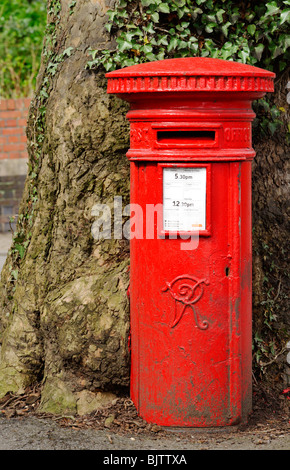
x: 190, y: 74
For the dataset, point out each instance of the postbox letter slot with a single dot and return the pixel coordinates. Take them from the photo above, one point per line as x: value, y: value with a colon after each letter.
x: 185, y: 137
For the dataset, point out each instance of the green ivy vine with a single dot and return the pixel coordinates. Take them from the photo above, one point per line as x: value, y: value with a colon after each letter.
x: 52, y: 58
x: 253, y: 32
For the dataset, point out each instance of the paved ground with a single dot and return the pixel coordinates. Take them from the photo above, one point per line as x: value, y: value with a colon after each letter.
x: 23, y: 427
x: 5, y: 243
x: 31, y: 433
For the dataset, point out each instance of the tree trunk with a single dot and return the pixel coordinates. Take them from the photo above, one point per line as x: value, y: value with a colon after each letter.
x: 271, y: 321
x: 64, y: 313
x: 64, y: 320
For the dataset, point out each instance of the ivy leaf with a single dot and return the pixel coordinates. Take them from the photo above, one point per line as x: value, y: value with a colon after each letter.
x: 108, y: 65
x: 67, y: 52
x: 182, y: 44
x: 209, y: 27
x: 21, y: 251
x: 111, y: 14
x: 251, y: 29
x: 272, y: 8
x: 284, y: 40
x: 276, y: 50
x: 124, y: 45
x: 219, y: 15
x: 225, y: 28
x: 155, y: 17
x: 259, y: 51
x: 192, y: 46
x: 272, y: 126
x: 162, y: 41
x: 149, y: 28
x: 43, y: 93
x: 150, y: 57
x: 14, y: 274
x: 195, y: 13
x: 93, y: 53
x: 108, y: 27
x: 235, y: 15
x: 147, y: 3
x: 172, y: 44
x: 211, y: 18
x: 164, y: 8
x: 146, y: 48
x: 243, y: 55
x: 180, y: 3
x: 161, y: 54
x: 285, y: 16
x: 128, y: 62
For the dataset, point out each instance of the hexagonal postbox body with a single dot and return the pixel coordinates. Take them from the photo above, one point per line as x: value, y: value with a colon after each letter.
x: 190, y: 286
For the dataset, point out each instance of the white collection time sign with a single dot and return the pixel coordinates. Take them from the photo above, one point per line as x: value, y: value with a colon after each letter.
x: 184, y: 199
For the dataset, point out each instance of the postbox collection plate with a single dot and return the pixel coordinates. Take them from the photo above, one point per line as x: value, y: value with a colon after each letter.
x: 186, y: 199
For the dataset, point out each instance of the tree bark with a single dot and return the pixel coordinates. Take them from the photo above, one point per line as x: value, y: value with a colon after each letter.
x: 65, y: 319
x: 270, y: 175
x: 64, y: 311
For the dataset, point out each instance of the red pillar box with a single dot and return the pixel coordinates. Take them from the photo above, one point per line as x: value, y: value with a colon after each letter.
x: 190, y: 288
